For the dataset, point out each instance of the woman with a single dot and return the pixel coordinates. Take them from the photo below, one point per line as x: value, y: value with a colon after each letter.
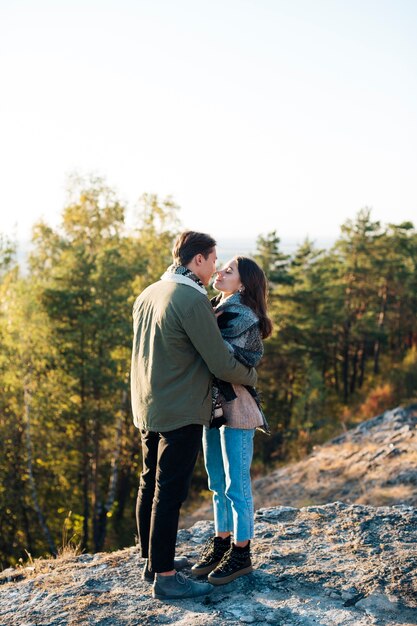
x: 228, y: 449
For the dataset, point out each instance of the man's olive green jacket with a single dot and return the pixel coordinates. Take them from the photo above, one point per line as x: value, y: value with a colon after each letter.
x: 177, y: 348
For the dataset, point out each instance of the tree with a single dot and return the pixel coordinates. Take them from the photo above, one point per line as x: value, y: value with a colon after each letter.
x: 272, y: 260
x: 86, y: 298
x: 93, y: 269
x: 158, y: 225
x: 24, y: 371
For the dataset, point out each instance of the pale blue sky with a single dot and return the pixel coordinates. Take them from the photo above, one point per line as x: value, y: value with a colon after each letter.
x: 253, y: 114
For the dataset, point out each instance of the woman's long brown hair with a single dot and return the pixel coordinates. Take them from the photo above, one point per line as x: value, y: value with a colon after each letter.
x: 255, y: 292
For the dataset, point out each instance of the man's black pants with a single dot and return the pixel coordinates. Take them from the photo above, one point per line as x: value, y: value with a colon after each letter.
x: 168, y: 463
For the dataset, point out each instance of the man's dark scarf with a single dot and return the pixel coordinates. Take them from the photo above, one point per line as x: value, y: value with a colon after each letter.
x: 184, y: 271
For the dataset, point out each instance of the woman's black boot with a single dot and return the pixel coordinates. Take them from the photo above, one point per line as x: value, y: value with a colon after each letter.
x: 236, y: 562
x: 212, y: 554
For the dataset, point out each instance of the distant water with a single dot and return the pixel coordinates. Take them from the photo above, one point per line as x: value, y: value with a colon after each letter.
x: 227, y: 248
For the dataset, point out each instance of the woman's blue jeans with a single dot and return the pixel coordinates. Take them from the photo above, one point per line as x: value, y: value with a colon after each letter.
x: 227, y: 456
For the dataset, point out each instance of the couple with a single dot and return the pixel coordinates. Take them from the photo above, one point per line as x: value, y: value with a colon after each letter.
x: 193, y: 378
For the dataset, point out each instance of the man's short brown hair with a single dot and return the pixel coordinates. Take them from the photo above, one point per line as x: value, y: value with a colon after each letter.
x: 190, y: 243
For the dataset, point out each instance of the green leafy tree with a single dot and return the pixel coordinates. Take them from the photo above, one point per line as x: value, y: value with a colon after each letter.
x: 157, y: 227
x: 86, y: 298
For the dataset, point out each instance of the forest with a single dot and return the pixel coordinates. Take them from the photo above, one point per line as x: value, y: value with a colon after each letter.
x: 343, y: 349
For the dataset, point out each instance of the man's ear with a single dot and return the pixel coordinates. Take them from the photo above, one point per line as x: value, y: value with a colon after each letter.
x: 198, y: 258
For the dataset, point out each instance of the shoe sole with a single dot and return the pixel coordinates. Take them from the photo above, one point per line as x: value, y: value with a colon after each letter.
x: 228, y: 579
x: 202, y: 571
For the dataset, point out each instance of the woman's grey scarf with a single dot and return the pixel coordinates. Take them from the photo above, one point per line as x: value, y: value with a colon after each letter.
x: 239, y: 327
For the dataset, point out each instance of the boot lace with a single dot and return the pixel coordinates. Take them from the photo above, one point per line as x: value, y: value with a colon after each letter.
x: 213, y: 550
x: 208, y: 549
x: 232, y: 561
x: 181, y: 578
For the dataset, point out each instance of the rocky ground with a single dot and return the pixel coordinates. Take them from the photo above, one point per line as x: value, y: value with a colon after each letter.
x: 328, y: 565
x: 374, y: 463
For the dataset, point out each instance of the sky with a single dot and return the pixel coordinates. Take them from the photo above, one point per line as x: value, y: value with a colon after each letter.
x: 254, y: 115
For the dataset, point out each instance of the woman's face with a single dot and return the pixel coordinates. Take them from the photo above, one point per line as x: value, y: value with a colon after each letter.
x: 228, y: 279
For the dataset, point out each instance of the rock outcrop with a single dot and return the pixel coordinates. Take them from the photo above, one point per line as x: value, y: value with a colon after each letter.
x: 331, y: 565
x: 347, y: 563
x: 374, y: 463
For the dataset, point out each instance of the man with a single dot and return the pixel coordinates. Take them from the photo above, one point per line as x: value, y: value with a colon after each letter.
x: 177, y: 348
